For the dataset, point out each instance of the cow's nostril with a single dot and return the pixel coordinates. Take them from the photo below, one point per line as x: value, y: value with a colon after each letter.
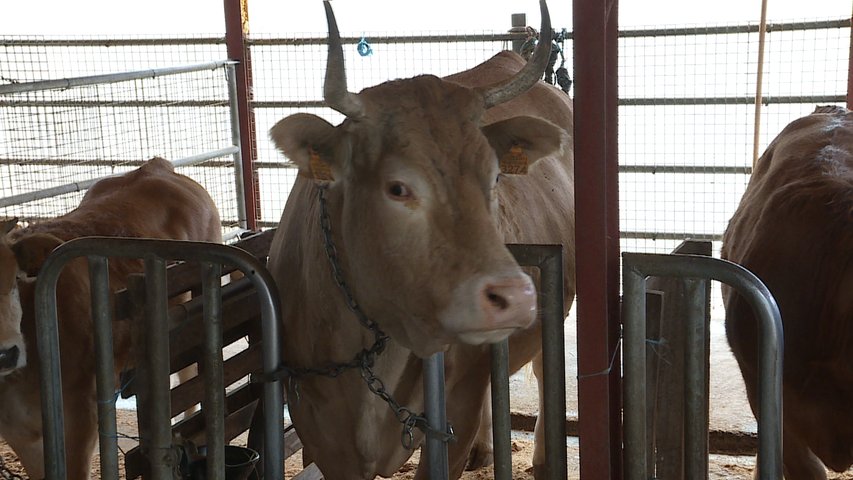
x: 499, y: 302
x: 9, y: 357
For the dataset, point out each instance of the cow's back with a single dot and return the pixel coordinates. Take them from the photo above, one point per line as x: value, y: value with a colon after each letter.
x: 150, y: 202
x: 794, y: 230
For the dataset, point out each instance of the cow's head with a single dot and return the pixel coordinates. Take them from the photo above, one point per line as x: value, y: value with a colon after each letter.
x: 19, y: 261
x: 411, y: 178
x: 13, y: 352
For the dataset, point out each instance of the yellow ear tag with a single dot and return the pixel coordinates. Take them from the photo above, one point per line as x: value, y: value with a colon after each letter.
x: 320, y: 170
x: 514, y: 162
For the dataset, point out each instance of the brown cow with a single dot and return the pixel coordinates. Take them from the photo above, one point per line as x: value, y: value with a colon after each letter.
x: 794, y: 230
x: 423, y: 184
x: 153, y: 202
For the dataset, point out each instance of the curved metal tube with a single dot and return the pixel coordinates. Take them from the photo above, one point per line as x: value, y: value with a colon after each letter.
x: 636, y: 267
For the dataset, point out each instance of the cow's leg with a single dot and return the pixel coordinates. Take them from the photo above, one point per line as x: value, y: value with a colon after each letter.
x: 81, y: 433
x: 799, y: 463
x: 482, y: 452
x: 21, y: 428
x: 539, y: 429
x: 31, y: 454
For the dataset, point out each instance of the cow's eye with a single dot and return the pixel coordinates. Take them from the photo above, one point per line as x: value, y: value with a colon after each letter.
x: 399, y: 191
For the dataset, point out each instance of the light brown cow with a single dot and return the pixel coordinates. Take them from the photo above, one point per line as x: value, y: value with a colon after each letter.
x: 152, y: 202
x: 418, y: 212
x: 794, y: 230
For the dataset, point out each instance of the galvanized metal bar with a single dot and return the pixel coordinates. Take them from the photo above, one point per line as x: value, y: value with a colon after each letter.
x: 691, y: 169
x: 214, y: 383
x: 549, y: 260
x: 636, y: 268
x: 768, y: 100
x: 553, y: 352
x: 156, y: 320
x: 634, y: 368
x: 496, y: 37
x: 66, y: 83
x: 501, y: 422
x: 392, y: 39
x: 48, y: 341
x: 670, y: 236
x: 85, y: 184
x: 47, y: 333
x: 105, y: 364
x: 436, y: 414
x: 29, y: 103
x: 625, y: 102
x: 733, y: 29
x: 233, y: 105
x: 696, y: 380
x: 108, y: 42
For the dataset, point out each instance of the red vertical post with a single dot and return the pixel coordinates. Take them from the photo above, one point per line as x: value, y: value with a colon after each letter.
x: 597, y: 238
x: 236, y: 33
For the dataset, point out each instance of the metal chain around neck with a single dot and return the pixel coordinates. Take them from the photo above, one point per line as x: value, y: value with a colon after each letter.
x: 363, y: 360
x: 366, y: 357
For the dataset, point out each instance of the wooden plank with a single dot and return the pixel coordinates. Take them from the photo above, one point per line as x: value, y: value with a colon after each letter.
x: 311, y: 472
x: 183, y: 277
x: 292, y: 442
x: 185, y: 339
x: 190, y: 393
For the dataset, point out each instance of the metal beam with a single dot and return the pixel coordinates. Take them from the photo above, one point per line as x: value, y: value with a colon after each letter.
x: 596, y: 184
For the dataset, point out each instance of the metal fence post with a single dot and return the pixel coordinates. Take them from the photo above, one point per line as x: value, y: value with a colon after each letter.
x: 436, y: 414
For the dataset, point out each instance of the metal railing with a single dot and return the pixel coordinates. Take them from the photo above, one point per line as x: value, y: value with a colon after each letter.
x: 8, y: 99
x: 155, y: 253
x: 698, y: 270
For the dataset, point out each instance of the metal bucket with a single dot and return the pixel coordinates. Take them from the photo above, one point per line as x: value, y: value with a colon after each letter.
x: 239, y: 463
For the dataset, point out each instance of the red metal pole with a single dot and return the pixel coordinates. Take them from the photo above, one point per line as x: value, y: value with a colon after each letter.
x: 236, y: 32
x: 597, y: 238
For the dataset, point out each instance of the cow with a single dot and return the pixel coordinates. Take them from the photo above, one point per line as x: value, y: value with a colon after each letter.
x: 794, y: 230
x: 398, y: 221
x: 152, y: 201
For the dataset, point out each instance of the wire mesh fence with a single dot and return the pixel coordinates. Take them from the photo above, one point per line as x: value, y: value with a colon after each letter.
x: 54, y: 142
x: 685, y: 119
x: 687, y: 114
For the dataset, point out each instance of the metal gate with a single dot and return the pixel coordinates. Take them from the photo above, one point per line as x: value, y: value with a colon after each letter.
x: 696, y: 272
x: 155, y: 254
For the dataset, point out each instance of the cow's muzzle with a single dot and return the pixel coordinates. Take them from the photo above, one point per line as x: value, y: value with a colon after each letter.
x: 496, y: 307
x: 9, y: 359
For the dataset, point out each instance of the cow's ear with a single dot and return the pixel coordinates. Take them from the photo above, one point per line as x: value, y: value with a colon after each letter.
x: 521, y: 141
x: 32, y: 250
x: 311, y: 143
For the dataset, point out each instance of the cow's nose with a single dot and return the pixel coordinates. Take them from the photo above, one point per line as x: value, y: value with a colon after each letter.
x: 509, y: 302
x: 9, y: 357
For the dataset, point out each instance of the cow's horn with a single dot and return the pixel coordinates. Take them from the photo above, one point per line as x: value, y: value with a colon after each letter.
x: 530, y: 74
x: 335, y: 89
